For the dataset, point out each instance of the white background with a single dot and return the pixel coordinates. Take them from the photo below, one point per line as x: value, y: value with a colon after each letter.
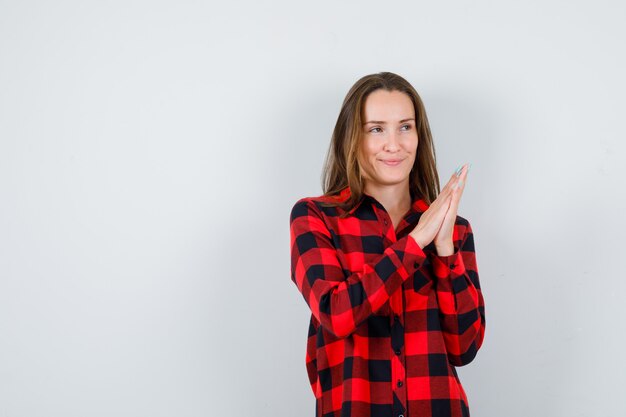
x: 151, y: 151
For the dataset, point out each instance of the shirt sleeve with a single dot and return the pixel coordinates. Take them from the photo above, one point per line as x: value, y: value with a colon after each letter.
x: 340, y: 300
x: 461, y: 303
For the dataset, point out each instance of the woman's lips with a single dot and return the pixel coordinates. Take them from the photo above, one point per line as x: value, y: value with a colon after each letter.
x: 392, y: 162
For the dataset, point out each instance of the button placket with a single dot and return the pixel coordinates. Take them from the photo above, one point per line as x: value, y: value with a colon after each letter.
x: 398, y: 365
x: 396, y: 301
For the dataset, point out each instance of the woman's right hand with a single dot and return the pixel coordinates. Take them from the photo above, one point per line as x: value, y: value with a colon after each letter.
x: 430, y: 221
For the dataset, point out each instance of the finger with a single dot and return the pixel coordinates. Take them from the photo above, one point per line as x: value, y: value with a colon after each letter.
x: 460, y: 186
x: 463, y: 178
x: 453, y: 202
x: 464, y: 171
x: 449, y: 199
x: 456, y: 195
x: 447, y: 190
x: 450, y: 183
x: 460, y: 179
x: 444, y: 197
x: 452, y: 179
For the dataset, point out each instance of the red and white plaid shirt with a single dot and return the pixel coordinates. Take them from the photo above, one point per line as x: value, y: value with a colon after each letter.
x: 390, y: 321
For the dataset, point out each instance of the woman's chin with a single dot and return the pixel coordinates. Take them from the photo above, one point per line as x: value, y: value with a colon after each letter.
x: 393, y: 180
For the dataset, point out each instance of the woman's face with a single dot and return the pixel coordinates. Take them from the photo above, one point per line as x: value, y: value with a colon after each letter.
x: 389, y: 143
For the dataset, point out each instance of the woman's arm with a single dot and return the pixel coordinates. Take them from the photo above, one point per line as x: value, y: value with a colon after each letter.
x: 340, y: 302
x: 461, y: 303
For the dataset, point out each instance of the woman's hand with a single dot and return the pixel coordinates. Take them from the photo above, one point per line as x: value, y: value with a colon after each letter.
x: 444, y: 237
x: 431, y: 220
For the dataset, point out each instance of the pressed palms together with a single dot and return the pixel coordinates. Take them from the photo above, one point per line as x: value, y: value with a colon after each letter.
x: 437, y: 223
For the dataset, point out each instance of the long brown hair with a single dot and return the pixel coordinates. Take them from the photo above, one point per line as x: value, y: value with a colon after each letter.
x: 341, y: 167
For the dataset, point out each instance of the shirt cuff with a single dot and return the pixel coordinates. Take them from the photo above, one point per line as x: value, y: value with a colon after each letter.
x: 449, y: 265
x: 414, y: 256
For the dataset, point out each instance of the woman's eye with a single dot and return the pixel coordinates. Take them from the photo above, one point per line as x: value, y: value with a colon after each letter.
x: 408, y: 126
x: 372, y: 130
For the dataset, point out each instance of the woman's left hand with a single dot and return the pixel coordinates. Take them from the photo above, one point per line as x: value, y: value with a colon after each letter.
x: 444, y: 238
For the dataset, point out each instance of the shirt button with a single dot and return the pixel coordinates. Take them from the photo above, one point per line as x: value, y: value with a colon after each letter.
x: 401, y: 415
x: 452, y: 265
x: 385, y: 221
x: 397, y: 351
x: 399, y: 383
x: 396, y: 318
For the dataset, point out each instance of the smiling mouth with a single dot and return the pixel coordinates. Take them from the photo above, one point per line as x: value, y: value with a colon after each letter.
x: 392, y: 162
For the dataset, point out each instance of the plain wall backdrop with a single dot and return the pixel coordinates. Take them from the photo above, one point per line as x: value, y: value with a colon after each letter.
x: 151, y: 151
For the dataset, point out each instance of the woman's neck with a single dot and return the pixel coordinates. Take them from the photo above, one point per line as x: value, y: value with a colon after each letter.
x: 394, y: 198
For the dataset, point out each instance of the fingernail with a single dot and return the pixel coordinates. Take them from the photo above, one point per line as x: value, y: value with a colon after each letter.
x: 458, y: 170
x: 468, y: 167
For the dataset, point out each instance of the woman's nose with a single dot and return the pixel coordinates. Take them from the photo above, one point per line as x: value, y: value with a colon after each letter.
x: 392, y: 141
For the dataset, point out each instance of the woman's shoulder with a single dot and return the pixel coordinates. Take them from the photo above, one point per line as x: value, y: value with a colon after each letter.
x: 337, y: 197
x: 320, y: 203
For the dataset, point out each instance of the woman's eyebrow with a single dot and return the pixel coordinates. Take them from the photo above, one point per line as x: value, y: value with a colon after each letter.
x: 382, y: 122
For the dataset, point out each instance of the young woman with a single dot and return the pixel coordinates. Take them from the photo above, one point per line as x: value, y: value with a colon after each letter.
x: 386, y: 266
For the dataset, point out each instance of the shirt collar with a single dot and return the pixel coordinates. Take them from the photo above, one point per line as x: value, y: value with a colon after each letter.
x: 418, y: 205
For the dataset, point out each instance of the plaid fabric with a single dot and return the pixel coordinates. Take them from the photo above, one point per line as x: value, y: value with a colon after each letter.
x: 390, y: 321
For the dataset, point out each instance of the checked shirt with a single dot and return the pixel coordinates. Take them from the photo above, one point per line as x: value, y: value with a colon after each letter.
x: 390, y: 321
